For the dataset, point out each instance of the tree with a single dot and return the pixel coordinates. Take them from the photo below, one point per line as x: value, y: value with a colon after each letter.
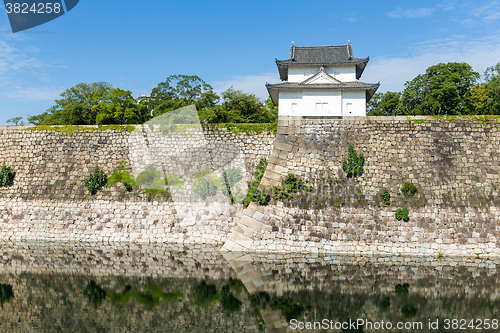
x: 240, y: 107
x: 444, y: 89
x: 92, y: 104
x: 383, y: 104
x: 17, y: 121
x: 181, y: 90
x: 492, y: 87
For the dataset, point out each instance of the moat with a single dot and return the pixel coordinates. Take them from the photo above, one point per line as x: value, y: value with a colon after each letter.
x: 123, y: 287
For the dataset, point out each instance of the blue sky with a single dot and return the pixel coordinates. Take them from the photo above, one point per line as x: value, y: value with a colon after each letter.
x: 135, y: 45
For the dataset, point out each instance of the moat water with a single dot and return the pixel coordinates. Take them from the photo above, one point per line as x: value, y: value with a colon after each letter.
x: 86, y: 287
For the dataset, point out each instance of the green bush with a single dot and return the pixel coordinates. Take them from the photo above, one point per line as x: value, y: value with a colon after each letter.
x: 6, y: 293
x: 205, y: 187
x: 402, y: 290
x: 96, y: 180
x: 151, y: 178
x: 229, y: 303
x: 6, y: 176
x: 353, y: 165
x: 253, y: 193
x: 228, y: 179
x: 205, y: 295
x: 409, y: 188
x: 291, y: 185
x: 94, y: 293
x: 386, y: 196
x: 402, y: 214
x: 121, y: 175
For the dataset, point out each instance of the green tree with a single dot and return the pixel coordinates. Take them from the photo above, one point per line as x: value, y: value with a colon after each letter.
x: 17, y: 121
x: 240, y: 107
x: 181, y: 90
x: 444, y: 89
x: 492, y: 87
x: 91, y: 104
x: 383, y: 104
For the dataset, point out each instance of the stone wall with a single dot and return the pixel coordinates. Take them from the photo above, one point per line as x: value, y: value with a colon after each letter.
x: 49, y: 200
x: 453, y: 163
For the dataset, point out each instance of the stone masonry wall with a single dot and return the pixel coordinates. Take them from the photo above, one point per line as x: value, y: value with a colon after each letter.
x: 453, y: 163
x: 49, y: 201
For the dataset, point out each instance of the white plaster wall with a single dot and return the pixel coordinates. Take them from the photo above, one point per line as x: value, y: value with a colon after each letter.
x: 286, y: 98
x: 342, y: 73
x: 306, y: 103
x: 358, y: 100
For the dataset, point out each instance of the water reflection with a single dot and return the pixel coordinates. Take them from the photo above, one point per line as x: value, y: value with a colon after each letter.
x: 84, y: 287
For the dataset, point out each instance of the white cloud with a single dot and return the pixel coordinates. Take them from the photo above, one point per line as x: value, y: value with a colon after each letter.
x: 393, y: 72
x: 410, y: 13
x: 253, y: 84
x: 351, y: 19
x: 34, y: 93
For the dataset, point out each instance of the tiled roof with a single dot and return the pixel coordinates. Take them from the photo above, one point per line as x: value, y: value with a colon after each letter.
x: 321, y: 56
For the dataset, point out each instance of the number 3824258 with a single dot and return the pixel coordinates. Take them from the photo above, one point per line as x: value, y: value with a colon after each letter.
x: 36, y: 8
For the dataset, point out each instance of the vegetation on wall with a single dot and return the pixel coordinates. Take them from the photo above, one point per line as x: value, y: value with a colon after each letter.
x: 229, y: 178
x: 409, y: 189
x: 6, y: 176
x: 6, y: 293
x: 353, y: 165
x: 121, y: 175
x: 254, y: 194
x: 96, y: 180
x: 291, y: 185
x: 402, y: 214
x: 386, y: 196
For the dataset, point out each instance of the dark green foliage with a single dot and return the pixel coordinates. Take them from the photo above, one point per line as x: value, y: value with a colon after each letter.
x: 353, y: 165
x: 6, y: 293
x: 96, y: 180
x: 229, y: 302
x: 94, y: 293
x: 402, y: 214
x: 408, y: 311
x: 385, y: 304
x: 205, y: 187
x: 444, y: 89
x: 121, y: 175
x: 6, y: 176
x: 150, y: 297
x: 401, y: 290
x: 151, y: 178
x: 205, y: 295
x: 386, y: 196
x: 288, y: 307
x: 228, y: 179
x: 409, y: 188
x: 291, y: 186
x: 254, y: 194
x: 383, y: 104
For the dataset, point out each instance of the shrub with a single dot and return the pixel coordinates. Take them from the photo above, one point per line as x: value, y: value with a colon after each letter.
x: 94, y: 293
x: 228, y: 179
x: 353, y: 165
x: 205, y: 294
x: 96, y: 180
x: 401, y: 290
x: 402, y: 214
x: 205, y: 188
x: 253, y: 193
x: 386, y: 196
x: 6, y: 293
x: 121, y: 175
x: 151, y: 178
x: 6, y: 176
x: 229, y: 303
x: 409, y: 188
x: 291, y: 185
